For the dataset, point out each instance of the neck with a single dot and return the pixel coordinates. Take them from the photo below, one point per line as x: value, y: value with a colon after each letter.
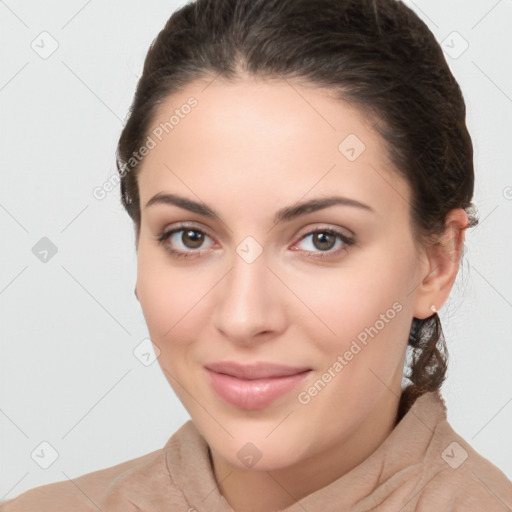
x: 264, y: 491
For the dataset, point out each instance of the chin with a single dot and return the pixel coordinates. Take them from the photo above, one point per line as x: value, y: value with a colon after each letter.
x: 252, y: 448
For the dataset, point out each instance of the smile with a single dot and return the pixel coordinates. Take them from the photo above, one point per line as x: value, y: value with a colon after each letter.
x: 257, y: 388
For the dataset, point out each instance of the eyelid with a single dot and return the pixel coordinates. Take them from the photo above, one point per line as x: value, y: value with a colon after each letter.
x: 186, y: 225
x: 347, y: 233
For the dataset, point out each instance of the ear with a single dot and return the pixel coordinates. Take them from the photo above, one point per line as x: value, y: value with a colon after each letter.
x: 442, y: 265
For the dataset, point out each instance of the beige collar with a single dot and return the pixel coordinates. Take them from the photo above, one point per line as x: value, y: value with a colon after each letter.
x: 397, y: 460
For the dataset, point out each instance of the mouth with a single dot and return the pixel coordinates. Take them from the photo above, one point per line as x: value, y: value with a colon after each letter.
x: 253, y: 386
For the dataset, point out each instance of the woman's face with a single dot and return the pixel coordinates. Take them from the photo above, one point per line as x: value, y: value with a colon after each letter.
x: 328, y: 291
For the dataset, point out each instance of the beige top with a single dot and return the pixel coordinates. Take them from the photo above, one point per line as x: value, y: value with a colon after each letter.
x: 423, y: 466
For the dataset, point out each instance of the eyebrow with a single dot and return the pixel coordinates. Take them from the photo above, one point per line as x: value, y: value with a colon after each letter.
x: 285, y: 214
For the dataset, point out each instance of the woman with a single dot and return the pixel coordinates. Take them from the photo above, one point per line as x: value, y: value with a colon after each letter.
x: 300, y: 177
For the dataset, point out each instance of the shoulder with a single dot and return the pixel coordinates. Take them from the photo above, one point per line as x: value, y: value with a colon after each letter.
x: 138, y: 484
x: 457, y: 478
x: 85, y: 493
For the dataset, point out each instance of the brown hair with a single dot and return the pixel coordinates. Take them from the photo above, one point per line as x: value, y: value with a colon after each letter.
x: 377, y: 54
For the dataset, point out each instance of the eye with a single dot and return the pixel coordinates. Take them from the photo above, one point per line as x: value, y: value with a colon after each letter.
x: 325, y: 242
x: 184, y: 241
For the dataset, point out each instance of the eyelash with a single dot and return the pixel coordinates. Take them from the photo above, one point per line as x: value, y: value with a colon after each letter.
x: 163, y: 236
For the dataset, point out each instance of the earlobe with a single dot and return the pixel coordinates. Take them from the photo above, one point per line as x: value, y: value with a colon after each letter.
x: 443, y: 262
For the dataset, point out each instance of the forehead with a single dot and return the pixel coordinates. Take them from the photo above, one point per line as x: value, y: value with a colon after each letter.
x: 267, y: 139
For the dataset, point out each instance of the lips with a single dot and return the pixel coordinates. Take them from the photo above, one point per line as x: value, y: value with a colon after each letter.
x: 253, y: 386
x: 254, y: 371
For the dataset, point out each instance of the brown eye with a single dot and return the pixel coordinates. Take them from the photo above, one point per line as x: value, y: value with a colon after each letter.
x: 192, y: 239
x: 185, y: 241
x: 323, y: 241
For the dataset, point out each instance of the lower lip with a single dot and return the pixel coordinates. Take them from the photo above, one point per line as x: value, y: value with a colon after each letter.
x: 253, y: 394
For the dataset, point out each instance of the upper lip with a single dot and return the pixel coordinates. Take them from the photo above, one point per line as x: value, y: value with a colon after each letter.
x: 261, y: 370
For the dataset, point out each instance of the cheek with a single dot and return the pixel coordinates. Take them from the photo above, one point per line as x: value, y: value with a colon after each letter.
x: 362, y: 300
x: 165, y: 295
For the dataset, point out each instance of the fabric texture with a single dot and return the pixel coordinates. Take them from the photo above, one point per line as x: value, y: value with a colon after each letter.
x: 422, y: 466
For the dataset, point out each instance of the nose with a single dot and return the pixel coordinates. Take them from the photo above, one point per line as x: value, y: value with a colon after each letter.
x: 250, y: 303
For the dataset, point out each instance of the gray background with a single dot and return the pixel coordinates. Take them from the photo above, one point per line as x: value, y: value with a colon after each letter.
x: 69, y: 325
